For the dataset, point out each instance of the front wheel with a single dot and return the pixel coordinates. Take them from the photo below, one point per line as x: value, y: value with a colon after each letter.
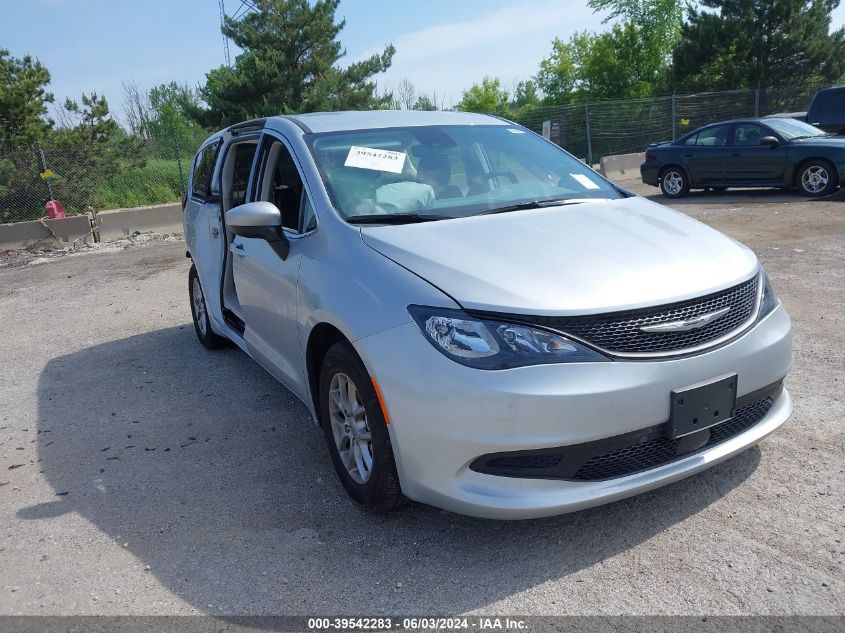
x: 199, y: 310
x: 356, y: 431
x: 674, y: 183
x: 816, y: 179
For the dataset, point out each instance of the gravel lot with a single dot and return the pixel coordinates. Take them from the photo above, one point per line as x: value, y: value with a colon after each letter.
x: 141, y: 474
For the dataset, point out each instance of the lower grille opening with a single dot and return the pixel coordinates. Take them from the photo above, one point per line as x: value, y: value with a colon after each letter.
x: 629, y: 453
x: 664, y: 450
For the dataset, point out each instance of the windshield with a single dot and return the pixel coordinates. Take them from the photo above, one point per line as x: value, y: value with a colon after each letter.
x: 438, y: 172
x: 792, y: 128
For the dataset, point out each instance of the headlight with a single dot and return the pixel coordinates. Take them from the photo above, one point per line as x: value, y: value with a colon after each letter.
x: 769, y: 301
x: 490, y: 344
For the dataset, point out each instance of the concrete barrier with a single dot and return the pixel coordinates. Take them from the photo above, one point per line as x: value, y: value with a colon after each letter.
x: 71, y: 231
x: 622, y: 166
x: 116, y: 224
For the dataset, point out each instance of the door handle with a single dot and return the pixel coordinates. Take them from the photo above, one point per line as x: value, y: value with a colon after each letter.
x: 688, y: 155
x: 736, y: 154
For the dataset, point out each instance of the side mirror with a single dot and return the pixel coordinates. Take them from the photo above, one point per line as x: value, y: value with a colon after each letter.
x: 771, y: 141
x: 260, y: 220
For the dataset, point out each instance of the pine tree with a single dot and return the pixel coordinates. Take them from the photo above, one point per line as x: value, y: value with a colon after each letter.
x: 765, y: 43
x: 289, y: 64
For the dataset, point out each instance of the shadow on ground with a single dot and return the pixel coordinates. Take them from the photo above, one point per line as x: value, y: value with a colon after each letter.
x: 740, y: 197
x: 214, y: 476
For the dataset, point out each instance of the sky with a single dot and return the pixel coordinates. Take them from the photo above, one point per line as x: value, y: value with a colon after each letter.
x: 441, y: 45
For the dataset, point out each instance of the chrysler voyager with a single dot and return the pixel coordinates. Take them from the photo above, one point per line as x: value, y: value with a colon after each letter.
x: 475, y: 319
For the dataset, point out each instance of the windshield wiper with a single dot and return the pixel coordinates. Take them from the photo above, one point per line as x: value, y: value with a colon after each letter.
x: 396, y: 218
x: 531, y: 204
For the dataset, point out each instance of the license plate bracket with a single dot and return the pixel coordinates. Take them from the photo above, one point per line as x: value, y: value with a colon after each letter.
x: 703, y: 405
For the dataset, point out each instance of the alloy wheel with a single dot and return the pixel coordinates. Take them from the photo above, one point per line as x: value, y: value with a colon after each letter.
x: 199, y: 305
x: 350, y: 429
x: 814, y: 179
x: 673, y: 182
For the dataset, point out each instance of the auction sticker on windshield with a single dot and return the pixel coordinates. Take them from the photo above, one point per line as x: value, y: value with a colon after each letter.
x: 375, y: 159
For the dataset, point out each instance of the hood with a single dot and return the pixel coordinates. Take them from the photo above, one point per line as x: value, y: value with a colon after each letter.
x: 822, y: 141
x: 597, y: 256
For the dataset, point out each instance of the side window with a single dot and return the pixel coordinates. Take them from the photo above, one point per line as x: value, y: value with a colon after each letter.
x: 240, y: 173
x: 309, y: 218
x: 716, y: 136
x: 203, y: 171
x: 748, y: 134
x: 281, y: 184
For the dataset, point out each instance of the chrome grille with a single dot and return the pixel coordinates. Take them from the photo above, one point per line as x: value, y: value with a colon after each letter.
x: 620, y: 333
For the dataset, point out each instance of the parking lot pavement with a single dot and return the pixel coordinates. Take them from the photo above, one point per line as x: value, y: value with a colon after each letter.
x: 142, y: 474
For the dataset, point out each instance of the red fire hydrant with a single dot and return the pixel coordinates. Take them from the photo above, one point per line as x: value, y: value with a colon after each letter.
x: 54, y: 209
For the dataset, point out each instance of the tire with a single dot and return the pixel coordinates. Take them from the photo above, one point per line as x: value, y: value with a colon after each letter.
x: 366, y: 468
x: 199, y: 310
x: 816, y: 178
x: 674, y: 182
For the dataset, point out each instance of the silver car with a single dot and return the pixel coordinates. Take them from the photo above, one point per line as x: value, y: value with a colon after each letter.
x: 475, y: 319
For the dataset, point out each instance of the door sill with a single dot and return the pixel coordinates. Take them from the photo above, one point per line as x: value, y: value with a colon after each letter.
x: 234, y: 321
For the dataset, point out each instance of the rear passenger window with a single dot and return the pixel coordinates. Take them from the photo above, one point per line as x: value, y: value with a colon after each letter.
x: 203, y: 171
x: 713, y: 137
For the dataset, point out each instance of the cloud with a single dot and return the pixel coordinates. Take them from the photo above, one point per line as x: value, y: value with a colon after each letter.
x: 508, y: 43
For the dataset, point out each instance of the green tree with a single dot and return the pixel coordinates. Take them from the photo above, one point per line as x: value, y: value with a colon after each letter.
x: 659, y: 21
x: 92, y: 120
x: 525, y: 94
x: 169, y: 121
x: 90, y: 155
x: 424, y: 102
x: 766, y: 43
x: 289, y: 64
x: 23, y: 99
x: 488, y: 96
x: 611, y: 65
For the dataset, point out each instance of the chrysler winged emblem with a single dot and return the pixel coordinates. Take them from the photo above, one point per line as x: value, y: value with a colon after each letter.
x: 693, y: 323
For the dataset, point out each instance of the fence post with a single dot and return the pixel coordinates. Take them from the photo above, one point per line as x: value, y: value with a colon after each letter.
x: 589, y: 133
x: 674, y: 116
x: 43, y: 170
x: 757, y: 101
x: 179, y: 162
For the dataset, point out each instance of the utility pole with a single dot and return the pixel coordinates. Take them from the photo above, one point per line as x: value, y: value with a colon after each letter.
x: 225, y: 39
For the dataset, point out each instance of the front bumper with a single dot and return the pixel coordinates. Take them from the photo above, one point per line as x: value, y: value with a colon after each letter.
x: 444, y: 416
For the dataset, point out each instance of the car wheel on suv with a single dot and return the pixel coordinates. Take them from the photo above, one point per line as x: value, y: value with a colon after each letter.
x: 199, y: 310
x: 673, y: 182
x: 356, y: 431
x: 816, y: 178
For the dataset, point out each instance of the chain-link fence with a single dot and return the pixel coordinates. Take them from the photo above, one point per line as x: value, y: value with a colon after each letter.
x: 590, y: 130
x: 92, y: 176
x: 129, y: 172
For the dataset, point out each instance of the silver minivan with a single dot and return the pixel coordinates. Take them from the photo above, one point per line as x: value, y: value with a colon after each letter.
x: 477, y: 320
